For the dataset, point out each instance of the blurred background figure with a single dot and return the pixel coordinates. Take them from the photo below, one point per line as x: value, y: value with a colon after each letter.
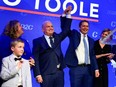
x: 103, y: 55
x: 109, y: 38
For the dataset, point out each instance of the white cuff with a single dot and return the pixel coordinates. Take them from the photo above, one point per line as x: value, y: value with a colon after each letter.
x: 68, y: 16
x: 63, y: 15
x: 37, y: 76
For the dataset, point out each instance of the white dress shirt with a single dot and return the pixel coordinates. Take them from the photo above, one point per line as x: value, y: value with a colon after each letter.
x: 80, y: 50
x: 48, y: 40
x: 19, y: 72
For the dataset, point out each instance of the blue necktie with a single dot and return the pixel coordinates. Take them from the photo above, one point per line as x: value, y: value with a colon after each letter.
x: 51, y: 41
x: 86, y: 50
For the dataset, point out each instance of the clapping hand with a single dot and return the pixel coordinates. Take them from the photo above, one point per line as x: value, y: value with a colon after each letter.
x: 31, y: 61
x: 111, y: 55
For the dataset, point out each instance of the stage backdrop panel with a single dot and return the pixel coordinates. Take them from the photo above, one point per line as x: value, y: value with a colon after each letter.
x: 32, y: 13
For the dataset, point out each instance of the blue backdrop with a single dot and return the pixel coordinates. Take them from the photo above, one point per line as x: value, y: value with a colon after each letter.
x: 32, y: 13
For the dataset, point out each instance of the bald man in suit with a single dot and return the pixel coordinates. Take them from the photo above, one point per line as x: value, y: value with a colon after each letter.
x: 49, y: 61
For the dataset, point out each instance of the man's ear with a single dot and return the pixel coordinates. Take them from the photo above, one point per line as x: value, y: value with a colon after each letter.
x: 42, y: 30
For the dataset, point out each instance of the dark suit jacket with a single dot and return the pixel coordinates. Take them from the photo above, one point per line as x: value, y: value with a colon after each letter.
x: 71, y: 58
x: 45, y: 62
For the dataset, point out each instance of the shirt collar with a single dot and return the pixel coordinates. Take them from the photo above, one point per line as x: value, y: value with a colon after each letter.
x: 47, y: 37
x: 82, y: 35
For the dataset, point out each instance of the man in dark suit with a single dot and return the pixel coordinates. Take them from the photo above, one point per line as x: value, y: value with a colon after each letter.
x: 80, y: 57
x: 49, y: 61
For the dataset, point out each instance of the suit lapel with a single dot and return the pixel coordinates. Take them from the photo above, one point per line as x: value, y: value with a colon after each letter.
x: 44, y: 43
x: 77, y: 39
x: 56, y: 40
x: 90, y: 43
x: 11, y: 58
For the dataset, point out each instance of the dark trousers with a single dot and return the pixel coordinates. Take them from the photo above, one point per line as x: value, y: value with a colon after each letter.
x: 81, y: 76
x: 102, y: 80
x: 54, y: 80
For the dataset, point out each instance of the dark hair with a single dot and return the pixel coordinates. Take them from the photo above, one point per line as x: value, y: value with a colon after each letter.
x: 80, y: 23
x: 11, y: 29
x: 14, y: 42
x: 106, y: 30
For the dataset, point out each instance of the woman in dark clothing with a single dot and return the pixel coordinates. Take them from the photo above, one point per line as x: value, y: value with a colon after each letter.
x: 103, y: 55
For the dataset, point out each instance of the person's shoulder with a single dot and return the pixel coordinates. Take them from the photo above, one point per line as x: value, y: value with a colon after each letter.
x: 55, y: 34
x: 4, y: 37
x: 96, y: 41
x: 6, y: 58
x: 90, y: 38
x: 38, y: 38
x: 74, y: 31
